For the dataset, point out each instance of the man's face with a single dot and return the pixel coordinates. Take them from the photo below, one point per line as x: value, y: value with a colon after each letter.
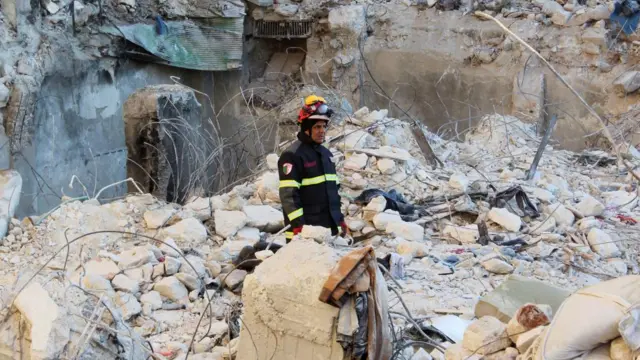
x: 318, y: 131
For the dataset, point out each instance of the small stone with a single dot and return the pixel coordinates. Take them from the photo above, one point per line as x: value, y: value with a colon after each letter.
x: 197, y: 263
x: 96, y: 283
x: 170, y: 266
x: 170, y: 248
x: 286, y: 9
x: 601, y: 243
x: 509, y: 353
x: 627, y: 83
x: 589, y: 206
x: 525, y: 340
x: 618, y: 265
x: 129, y: 3
x: 155, y: 219
x: 102, y: 267
x: 214, y: 268
x: 541, y: 194
x: 374, y: 207
x: 4, y: 95
x: 171, y: 288
x: 421, y: 354
x: 458, y: 352
x: 405, y: 230
x: 203, y: 345
x: 320, y: 234
x: 128, y: 305
x: 563, y: 216
x: 219, y: 328
x: 189, y: 230
x: 24, y: 67
x: 497, y: 266
x: 356, y: 161
x: 459, y: 182
x: 382, y: 220
x: 235, y: 278
x: 123, y: 283
x: 413, y: 248
x: 620, y: 201
x: 464, y: 234
x: 355, y: 224
x: 264, y: 254
x: 152, y: 298
x: 135, y: 274
x: 190, y: 281
x: 272, y: 161
x: 486, y: 335
x: 505, y: 218
x: 136, y: 257
x: 228, y: 223
x: 248, y: 234
x: 585, y: 224
x: 264, y: 217
x: 386, y: 166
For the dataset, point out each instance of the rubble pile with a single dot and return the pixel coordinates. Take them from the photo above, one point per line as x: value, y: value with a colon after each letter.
x: 135, y: 276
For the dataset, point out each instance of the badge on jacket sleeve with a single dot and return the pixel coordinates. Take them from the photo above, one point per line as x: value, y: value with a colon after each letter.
x: 286, y: 168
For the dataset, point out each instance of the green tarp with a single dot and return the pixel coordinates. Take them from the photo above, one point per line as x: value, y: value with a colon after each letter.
x: 214, y: 46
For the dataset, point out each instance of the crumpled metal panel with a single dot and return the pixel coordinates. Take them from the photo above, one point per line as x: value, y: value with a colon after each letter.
x: 212, y: 45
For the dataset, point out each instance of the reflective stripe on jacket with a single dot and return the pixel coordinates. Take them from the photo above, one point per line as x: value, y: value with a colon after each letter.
x: 308, y: 186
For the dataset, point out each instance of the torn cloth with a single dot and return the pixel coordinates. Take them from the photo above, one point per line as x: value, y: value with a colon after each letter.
x: 346, y: 279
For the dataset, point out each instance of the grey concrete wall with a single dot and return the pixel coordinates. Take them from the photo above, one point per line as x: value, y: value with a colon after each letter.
x: 79, y: 130
x: 446, y: 97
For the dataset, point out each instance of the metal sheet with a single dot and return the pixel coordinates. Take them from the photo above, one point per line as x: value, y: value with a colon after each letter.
x: 213, y: 44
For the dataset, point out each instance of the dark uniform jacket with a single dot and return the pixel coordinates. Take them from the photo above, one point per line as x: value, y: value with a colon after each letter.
x: 309, y: 186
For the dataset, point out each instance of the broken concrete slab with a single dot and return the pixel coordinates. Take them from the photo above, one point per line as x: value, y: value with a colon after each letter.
x: 264, y: 217
x: 505, y: 218
x: 49, y: 328
x: 102, y: 267
x: 283, y: 290
x: 468, y: 234
x: 171, y: 288
x: 602, y: 243
x: 515, y: 292
x: 486, y: 335
x: 187, y: 231
x: 406, y: 230
x: 228, y: 223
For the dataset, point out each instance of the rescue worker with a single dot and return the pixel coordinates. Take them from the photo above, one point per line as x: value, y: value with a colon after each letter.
x: 308, y: 180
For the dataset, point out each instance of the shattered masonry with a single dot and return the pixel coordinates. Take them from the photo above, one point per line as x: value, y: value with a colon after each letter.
x: 158, y: 290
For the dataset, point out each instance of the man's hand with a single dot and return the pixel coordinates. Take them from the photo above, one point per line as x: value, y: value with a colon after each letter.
x: 345, y: 229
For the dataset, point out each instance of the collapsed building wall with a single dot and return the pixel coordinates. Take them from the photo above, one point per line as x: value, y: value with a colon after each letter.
x: 77, y: 129
x: 162, y: 124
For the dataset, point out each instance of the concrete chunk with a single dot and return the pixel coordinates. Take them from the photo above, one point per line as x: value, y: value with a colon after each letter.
x: 102, y: 267
x: 171, y: 288
x: 486, y: 335
x: 280, y: 292
x: 515, y: 292
x: 136, y: 257
x: 187, y: 230
x: 49, y: 329
x: 264, y: 217
x: 505, y: 218
x: 602, y: 243
x: 229, y: 222
x: 405, y: 230
x: 590, y: 206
